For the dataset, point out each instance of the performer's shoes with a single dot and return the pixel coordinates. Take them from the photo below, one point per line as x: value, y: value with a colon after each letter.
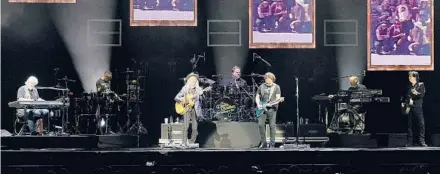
x: 423, y: 144
x: 408, y: 145
x: 263, y: 145
x: 271, y: 145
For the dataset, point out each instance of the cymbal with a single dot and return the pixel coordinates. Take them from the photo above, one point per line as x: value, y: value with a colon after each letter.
x: 253, y: 75
x: 206, y: 80
x: 128, y: 71
x: 218, y: 75
x: 203, y: 80
x: 66, y: 79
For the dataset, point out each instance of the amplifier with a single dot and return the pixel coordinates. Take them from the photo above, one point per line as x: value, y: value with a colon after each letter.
x: 307, y: 132
x: 312, y: 130
x: 176, y: 130
x: 281, y: 131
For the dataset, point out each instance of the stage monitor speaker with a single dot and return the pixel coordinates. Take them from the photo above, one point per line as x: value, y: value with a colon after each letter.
x: 215, y: 134
x: 312, y: 130
x: 5, y: 133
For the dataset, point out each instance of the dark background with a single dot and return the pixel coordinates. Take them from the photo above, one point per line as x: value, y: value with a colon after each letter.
x: 161, y: 46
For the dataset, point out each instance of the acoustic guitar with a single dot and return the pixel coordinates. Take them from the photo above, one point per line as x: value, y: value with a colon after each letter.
x: 265, y: 105
x: 189, y: 102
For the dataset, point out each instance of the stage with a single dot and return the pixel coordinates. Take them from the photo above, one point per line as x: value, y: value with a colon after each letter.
x: 246, y: 160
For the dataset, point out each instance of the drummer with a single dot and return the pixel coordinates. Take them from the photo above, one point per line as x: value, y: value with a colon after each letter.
x: 234, y: 80
x: 103, y: 83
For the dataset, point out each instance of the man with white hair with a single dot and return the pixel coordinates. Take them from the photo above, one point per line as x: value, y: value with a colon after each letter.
x: 28, y: 92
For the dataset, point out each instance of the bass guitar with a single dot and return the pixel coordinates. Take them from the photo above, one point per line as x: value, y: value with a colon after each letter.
x: 265, y: 105
x: 189, y: 102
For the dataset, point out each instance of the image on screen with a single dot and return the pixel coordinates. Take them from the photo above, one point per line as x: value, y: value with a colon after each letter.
x: 42, y: 1
x: 400, y: 35
x: 282, y: 23
x: 163, y: 13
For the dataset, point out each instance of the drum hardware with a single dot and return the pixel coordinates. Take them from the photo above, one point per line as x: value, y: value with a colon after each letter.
x: 137, y: 126
x: 130, y: 88
x: 64, y: 95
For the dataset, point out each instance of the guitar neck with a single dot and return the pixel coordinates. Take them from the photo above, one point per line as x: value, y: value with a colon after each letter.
x: 275, y: 101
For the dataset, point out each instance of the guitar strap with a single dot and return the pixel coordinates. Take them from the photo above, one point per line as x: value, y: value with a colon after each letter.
x: 271, y: 92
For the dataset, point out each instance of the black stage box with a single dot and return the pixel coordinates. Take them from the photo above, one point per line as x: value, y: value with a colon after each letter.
x: 41, y: 142
x: 240, y: 134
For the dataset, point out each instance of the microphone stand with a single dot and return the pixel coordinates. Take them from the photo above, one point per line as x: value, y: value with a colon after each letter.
x: 266, y: 62
x: 138, y: 125
x: 298, y: 124
x: 65, y: 116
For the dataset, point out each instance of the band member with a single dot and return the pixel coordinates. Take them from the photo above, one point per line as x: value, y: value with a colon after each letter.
x: 235, y: 79
x: 28, y: 92
x: 191, y: 87
x: 354, y: 84
x: 416, y: 92
x: 103, y: 86
x: 359, y: 115
x: 267, y: 92
x: 349, y: 120
x: 103, y: 83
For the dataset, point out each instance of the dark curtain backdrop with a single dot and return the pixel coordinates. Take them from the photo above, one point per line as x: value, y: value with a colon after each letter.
x: 168, y: 51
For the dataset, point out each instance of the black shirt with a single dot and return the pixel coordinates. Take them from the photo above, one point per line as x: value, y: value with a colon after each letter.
x: 418, y: 99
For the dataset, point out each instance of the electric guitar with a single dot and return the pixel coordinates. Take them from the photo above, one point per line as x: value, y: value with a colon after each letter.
x: 189, y: 102
x: 406, y: 105
x: 265, y: 105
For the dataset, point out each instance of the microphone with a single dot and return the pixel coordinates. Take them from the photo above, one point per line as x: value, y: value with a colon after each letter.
x: 364, y: 73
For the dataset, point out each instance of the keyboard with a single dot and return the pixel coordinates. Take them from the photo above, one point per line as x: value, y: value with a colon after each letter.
x: 36, y: 104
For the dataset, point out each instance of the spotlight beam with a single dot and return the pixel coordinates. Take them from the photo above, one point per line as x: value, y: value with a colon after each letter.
x: 72, y: 23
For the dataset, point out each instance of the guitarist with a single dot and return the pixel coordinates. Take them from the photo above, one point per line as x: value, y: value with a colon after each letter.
x: 416, y: 92
x: 267, y: 92
x: 191, y: 87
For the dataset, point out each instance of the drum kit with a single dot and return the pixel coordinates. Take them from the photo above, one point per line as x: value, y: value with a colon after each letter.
x: 230, y: 101
x: 100, y: 113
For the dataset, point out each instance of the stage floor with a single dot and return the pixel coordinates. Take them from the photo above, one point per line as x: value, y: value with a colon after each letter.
x: 246, y: 160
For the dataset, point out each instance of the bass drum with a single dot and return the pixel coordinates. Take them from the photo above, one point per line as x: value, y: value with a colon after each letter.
x: 225, y: 109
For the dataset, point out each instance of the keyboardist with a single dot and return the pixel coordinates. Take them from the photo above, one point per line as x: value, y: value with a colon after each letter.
x: 28, y: 92
x: 357, y: 111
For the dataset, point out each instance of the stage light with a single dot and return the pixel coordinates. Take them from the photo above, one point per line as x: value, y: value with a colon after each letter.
x: 351, y: 60
x: 71, y: 21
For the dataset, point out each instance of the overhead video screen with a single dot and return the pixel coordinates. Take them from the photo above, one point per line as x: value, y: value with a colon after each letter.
x: 400, y: 35
x: 282, y: 23
x: 42, y: 1
x: 163, y: 12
